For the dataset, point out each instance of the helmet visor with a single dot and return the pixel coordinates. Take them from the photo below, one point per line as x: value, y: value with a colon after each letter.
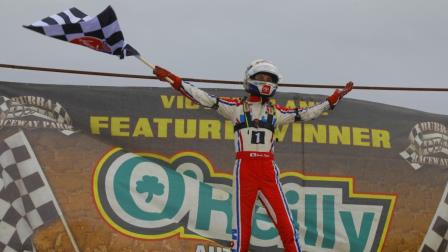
x: 265, y: 76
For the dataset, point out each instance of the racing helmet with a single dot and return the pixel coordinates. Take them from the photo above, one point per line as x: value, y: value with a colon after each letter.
x: 261, y: 88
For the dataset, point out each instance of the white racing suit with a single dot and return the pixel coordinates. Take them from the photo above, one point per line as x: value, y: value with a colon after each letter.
x: 255, y: 173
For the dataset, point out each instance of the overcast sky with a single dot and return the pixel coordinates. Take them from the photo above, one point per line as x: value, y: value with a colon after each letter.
x: 370, y: 42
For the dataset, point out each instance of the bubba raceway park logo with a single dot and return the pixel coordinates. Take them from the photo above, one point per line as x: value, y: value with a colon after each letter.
x: 149, y: 196
x: 34, y: 112
x: 429, y: 145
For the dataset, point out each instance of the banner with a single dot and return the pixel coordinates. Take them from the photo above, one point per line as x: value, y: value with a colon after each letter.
x: 145, y: 169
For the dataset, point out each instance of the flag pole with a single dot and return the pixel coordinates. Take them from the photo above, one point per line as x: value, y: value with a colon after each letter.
x: 145, y: 62
x: 56, y: 203
x: 67, y: 228
x: 152, y: 66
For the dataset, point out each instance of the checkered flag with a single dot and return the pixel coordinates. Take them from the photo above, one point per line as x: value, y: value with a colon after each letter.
x: 410, y: 155
x: 26, y: 200
x: 436, y: 239
x: 70, y: 16
x: 101, y: 33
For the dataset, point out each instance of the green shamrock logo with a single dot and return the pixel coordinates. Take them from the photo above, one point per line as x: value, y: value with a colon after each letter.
x: 150, y: 185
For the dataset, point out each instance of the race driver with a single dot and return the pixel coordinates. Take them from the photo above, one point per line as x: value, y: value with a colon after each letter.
x: 255, y: 120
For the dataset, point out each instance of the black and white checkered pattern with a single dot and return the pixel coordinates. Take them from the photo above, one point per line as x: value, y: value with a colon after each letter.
x: 25, y: 199
x: 436, y: 239
x: 70, y: 16
x: 73, y: 24
x: 410, y: 155
x: 61, y: 114
x: 4, y: 104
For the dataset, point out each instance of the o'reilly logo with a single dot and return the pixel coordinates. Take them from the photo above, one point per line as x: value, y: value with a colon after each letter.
x: 149, y: 196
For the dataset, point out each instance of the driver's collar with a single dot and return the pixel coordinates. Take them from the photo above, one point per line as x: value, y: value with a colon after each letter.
x: 256, y: 98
